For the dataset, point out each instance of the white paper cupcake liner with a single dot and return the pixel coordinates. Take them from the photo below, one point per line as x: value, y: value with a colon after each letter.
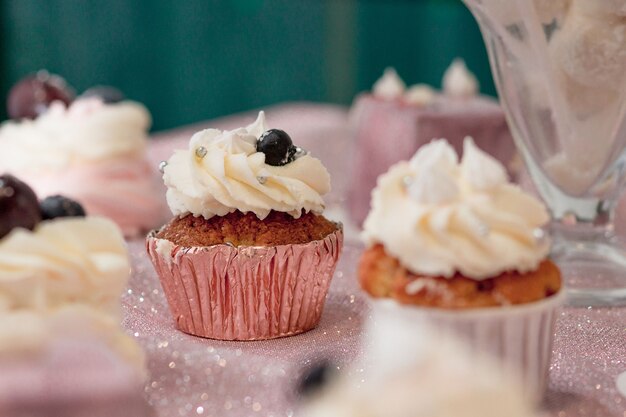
x: 520, y: 337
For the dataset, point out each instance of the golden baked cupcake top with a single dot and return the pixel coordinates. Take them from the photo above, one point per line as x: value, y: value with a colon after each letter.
x: 239, y: 229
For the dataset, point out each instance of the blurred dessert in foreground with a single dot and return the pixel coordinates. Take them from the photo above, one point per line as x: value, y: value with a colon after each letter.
x: 392, y: 122
x: 62, y: 349
x: 411, y: 375
x: 91, y: 149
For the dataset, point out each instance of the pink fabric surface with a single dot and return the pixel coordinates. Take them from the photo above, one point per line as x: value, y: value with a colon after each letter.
x: 191, y: 376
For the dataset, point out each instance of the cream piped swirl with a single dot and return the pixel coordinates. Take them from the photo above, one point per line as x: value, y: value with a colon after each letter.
x: 66, y: 260
x: 86, y: 131
x: 439, y: 217
x: 222, y: 172
x: 458, y: 81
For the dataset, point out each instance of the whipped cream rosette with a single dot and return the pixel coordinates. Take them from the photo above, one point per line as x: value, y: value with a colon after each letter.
x: 222, y: 172
x: 458, y: 81
x: 439, y: 217
x: 91, y: 151
x: 238, y: 291
x: 454, y: 243
x: 73, y: 260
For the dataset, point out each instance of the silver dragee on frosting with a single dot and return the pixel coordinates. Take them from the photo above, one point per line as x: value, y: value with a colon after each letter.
x: 439, y: 217
x: 222, y: 172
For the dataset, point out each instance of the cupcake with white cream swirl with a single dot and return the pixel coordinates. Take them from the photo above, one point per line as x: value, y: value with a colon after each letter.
x: 61, y: 277
x: 250, y: 202
x: 457, y: 242
x: 92, y: 151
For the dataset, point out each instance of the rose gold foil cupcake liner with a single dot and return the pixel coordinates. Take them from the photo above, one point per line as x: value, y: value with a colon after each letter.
x: 249, y: 292
x: 519, y: 336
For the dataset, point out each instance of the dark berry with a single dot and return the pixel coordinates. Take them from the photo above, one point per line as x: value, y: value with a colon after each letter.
x: 19, y: 206
x: 106, y: 93
x: 59, y: 206
x: 33, y: 94
x: 277, y: 147
x: 315, y: 378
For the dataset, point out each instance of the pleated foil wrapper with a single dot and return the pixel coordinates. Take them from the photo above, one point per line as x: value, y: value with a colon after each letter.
x: 519, y: 337
x: 246, y: 293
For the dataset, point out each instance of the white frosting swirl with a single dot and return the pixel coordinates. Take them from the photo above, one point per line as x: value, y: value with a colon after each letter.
x: 222, y: 172
x: 66, y: 260
x: 390, y: 86
x: 458, y: 81
x: 439, y: 217
x: 87, y: 130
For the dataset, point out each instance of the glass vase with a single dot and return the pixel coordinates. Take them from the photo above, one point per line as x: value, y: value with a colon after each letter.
x: 559, y: 67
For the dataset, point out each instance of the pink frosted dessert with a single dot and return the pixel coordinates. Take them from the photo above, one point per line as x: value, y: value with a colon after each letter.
x: 93, y: 152
x: 72, y: 362
x: 393, y: 121
x: 62, y: 349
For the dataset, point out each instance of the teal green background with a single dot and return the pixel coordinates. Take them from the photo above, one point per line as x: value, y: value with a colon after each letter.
x: 198, y: 59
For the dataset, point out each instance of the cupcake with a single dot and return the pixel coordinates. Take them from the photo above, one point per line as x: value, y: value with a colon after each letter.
x: 411, y: 374
x: 62, y: 349
x: 248, y: 254
x: 91, y: 150
x: 394, y: 120
x: 457, y: 243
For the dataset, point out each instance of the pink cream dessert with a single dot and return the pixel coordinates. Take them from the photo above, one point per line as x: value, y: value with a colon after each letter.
x: 63, y: 351
x: 393, y: 121
x: 93, y: 152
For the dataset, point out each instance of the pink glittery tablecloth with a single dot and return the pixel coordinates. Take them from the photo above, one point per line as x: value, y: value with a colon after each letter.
x: 191, y: 376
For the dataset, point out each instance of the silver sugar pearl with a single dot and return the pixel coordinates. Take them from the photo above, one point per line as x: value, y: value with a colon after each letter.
x: 484, y: 229
x: 261, y: 179
x: 201, y: 152
x: 162, y: 166
x: 407, y: 181
x: 300, y: 152
x: 539, y: 235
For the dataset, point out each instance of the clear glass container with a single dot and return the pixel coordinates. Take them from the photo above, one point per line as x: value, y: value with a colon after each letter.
x: 560, y: 71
